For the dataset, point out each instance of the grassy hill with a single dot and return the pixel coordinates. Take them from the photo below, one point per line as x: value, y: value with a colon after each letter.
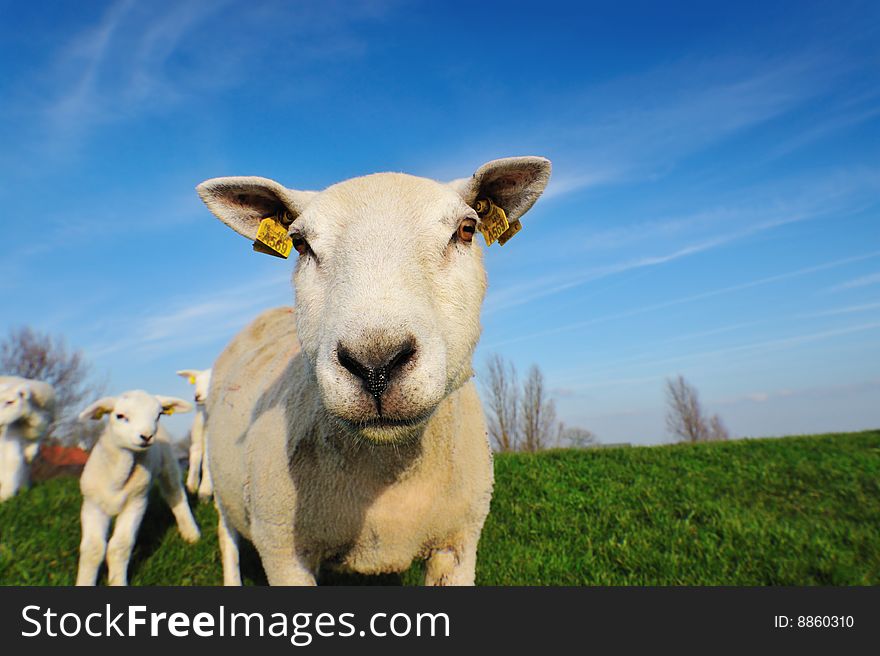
x: 788, y: 511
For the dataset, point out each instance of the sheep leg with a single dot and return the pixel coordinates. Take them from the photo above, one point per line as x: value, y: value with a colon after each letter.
x: 206, y: 487
x: 453, y: 566
x: 13, y: 470
x: 93, y: 544
x: 124, y: 534
x: 228, y: 538
x: 196, y: 455
x: 282, y: 565
x: 172, y: 492
x: 283, y: 569
x: 31, y: 451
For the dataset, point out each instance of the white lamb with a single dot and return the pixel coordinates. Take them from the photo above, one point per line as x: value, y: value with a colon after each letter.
x: 367, y: 448
x: 198, y: 476
x: 27, y: 409
x: 116, y: 481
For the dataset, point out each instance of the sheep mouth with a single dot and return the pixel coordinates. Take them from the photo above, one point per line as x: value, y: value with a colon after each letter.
x: 385, y: 429
x: 386, y: 422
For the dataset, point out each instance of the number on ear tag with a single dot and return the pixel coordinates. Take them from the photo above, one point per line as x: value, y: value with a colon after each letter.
x: 272, y: 238
x: 493, y: 220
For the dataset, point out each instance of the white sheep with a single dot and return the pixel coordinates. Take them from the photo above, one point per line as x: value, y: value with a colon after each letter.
x: 348, y: 433
x: 198, y: 476
x: 132, y: 451
x: 27, y: 409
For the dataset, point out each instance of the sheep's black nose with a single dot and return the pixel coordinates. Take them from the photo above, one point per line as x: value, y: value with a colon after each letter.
x: 376, y: 372
x: 146, y: 438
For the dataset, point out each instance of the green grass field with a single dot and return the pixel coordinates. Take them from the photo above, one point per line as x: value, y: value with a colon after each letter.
x: 788, y: 511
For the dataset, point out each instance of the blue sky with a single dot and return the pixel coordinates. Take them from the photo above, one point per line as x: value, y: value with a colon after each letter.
x: 714, y: 209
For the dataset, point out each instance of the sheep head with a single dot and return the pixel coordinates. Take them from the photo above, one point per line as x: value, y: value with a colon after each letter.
x: 15, y: 403
x: 201, y: 378
x: 389, y: 282
x: 28, y: 403
x: 134, y: 417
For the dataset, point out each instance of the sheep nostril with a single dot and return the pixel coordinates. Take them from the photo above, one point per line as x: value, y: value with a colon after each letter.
x: 404, y: 355
x: 376, y: 378
x: 146, y: 438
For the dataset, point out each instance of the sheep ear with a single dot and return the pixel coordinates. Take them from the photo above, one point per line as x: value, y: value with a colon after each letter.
x: 242, y: 202
x: 170, y: 405
x: 99, y: 408
x: 189, y: 374
x: 513, y: 183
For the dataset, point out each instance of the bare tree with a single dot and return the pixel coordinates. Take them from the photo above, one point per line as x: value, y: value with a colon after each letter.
x: 684, y: 416
x: 575, y: 436
x: 717, y: 430
x: 27, y: 353
x: 502, y: 398
x: 538, y: 416
x: 523, y: 417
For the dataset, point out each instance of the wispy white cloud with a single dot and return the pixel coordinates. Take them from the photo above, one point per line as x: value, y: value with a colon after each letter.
x: 853, y: 111
x: 190, y: 320
x: 865, y: 307
x: 86, y: 53
x: 531, y: 290
x: 567, y: 183
x: 773, y: 345
x: 130, y: 63
x: 819, y: 391
x: 688, y: 299
x: 863, y: 281
x: 638, y: 127
x: 835, y: 193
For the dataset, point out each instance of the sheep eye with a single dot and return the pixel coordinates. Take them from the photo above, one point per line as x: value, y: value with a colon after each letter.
x: 466, y: 230
x: 121, y: 417
x: 300, y: 244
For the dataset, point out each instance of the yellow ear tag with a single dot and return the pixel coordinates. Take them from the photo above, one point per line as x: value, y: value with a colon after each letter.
x: 272, y: 238
x: 493, y: 221
x: 192, y: 380
x: 514, y: 228
x: 168, y: 411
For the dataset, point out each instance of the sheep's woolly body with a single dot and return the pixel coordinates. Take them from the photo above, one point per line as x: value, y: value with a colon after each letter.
x: 116, y: 483
x: 27, y: 409
x: 114, y: 477
x: 365, y: 507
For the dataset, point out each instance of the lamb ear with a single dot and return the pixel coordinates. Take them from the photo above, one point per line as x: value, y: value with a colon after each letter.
x: 99, y: 408
x: 189, y: 374
x: 242, y: 202
x: 512, y: 183
x: 170, y: 405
